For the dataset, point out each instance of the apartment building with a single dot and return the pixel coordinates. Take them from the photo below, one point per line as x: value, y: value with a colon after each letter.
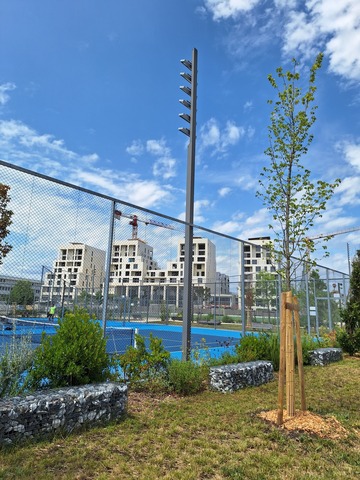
x: 78, y: 268
x: 256, y: 258
x: 259, y: 295
x: 135, y: 274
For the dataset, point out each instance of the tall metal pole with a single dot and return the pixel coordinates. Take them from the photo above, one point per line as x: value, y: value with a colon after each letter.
x: 189, y: 213
x: 108, y: 266
x: 308, y: 301
x: 242, y: 279
x: 328, y: 300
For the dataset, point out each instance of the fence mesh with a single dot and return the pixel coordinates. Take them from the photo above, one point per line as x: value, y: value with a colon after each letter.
x: 69, y: 249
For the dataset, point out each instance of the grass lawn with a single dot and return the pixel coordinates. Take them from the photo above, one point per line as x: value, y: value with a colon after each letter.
x: 207, y: 436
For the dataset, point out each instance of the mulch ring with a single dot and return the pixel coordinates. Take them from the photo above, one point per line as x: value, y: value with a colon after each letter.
x: 324, y: 427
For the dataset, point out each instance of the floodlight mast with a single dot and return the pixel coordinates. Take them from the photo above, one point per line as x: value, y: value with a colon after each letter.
x: 190, y: 182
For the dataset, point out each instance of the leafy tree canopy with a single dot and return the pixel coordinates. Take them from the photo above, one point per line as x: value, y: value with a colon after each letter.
x: 286, y: 186
x: 5, y: 221
x: 22, y: 293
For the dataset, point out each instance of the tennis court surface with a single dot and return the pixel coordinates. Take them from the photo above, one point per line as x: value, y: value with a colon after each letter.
x: 121, y: 335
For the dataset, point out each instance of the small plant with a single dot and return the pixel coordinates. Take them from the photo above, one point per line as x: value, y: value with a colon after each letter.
x: 140, y: 364
x: 74, y: 355
x: 187, y: 378
x: 14, y: 363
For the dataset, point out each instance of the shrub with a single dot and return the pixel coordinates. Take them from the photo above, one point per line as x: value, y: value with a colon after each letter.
x: 74, y: 355
x: 349, y: 342
x: 14, y: 363
x: 142, y: 364
x: 187, y: 378
x: 253, y: 347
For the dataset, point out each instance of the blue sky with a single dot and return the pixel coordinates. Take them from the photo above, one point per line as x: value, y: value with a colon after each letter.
x: 89, y: 94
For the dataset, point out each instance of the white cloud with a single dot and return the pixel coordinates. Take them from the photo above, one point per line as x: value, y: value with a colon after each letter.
x: 228, y: 228
x: 219, y: 140
x: 17, y: 133
x: 24, y: 146
x: 136, y: 148
x: 145, y: 193
x: 248, y: 105
x: 165, y: 167
x: 348, y: 191
x: 199, y: 206
x: 299, y: 34
x: 224, y: 191
x: 4, y: 88
x: 157, y: 147
x: 223, y: 9
x: 305, y: 28
x: 352, y: 154
x: 329, y: 25
x: 210, y: 133
x: 256, y: 225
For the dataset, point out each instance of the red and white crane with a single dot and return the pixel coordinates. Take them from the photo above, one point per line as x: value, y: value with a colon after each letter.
x: 135, y: 219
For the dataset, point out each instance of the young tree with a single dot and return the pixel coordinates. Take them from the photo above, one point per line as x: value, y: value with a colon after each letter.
x: 22, y: 293
x: 5, y: 221
x: 266, y: 291
x: 286, y: 188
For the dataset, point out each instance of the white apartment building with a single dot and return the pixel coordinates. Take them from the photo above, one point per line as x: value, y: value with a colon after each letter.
x: 79, y: 267
x: 256, y: 258
x: 135, y: 274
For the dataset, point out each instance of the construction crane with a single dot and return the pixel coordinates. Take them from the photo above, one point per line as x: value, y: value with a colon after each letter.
x: 327, y: 236
x: 330, y: 235
x: 134, y: 219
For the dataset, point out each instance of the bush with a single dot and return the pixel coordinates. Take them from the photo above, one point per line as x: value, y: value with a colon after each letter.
x: 187, y: 378
x: 14, y: 363
x: 253, y: 347
x: 349, y: 342
x: 267, y: 347
x: 140, y: 364
x: 74, y: 355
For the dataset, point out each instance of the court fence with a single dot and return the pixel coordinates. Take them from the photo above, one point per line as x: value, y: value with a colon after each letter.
x: 125, y: 264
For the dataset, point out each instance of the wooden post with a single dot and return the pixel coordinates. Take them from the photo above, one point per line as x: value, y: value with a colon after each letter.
x: 282, y: 366
x: 299, y: 354
x: 290, y: 361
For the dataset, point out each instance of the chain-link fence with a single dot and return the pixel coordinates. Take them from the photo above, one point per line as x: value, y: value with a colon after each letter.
x: 125, y: 264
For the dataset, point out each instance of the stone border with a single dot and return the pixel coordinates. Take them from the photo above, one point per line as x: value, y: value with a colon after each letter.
x: 324, y: 356
x: 46, y: 412
x: 229, y: 378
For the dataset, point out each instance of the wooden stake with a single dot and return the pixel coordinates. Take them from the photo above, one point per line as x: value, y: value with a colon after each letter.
x: 290, y: 361
x: 299, y: 354
x: 282, y: 366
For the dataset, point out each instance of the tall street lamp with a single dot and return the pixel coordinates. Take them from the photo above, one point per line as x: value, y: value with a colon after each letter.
x: 190, y: 132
